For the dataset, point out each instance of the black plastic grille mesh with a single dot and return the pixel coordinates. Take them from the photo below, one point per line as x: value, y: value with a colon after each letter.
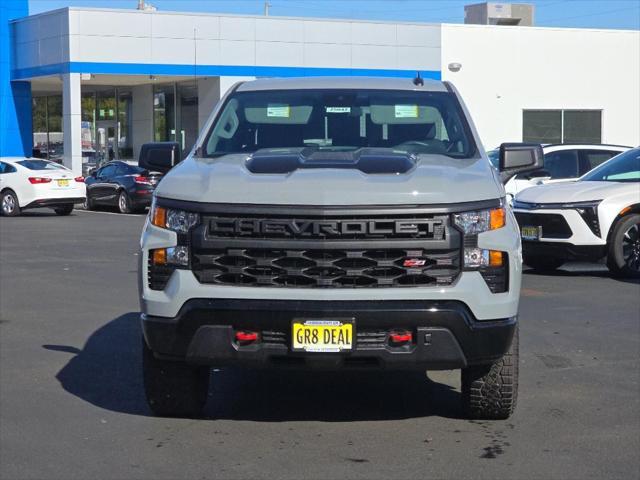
x: 553, y: 225
x: 337, y: 268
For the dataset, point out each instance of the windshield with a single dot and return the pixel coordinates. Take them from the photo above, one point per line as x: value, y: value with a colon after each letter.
x: 621, y: 168
x: 341, y: 120
x: 40, y: 165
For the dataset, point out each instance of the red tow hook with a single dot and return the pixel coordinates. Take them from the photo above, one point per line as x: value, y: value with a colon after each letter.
x: 245, y: 337
x: 399, y: 337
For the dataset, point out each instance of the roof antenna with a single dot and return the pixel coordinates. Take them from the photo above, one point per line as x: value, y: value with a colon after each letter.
x: 418, y: 81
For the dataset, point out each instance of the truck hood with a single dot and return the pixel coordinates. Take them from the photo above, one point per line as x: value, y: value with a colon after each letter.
x: 435, y: 179
x: 581, y: 191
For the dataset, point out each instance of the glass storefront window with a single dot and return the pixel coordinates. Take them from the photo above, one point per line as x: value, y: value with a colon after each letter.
x: 47, y: 127
x: 88, y: 108
x: 125, y: 134
x: 106, y: 124
x: 40, y: 130
x: 187, y: 117
x: 164, y: 118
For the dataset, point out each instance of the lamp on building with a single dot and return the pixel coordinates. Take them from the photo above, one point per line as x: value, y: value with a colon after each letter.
x: 454, y: 67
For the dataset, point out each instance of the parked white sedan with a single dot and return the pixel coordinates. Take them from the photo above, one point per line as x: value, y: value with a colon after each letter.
x: 597, y: 216
x: 33, y: 183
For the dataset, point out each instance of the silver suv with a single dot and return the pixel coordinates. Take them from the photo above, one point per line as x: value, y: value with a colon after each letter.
x: 333, y: 223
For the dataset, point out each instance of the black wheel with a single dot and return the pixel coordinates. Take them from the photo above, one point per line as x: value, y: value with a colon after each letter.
x: 490, y: 392
x: 9, y: 205
x: 124, y: 202
x: 543, y: 264
x: 88, y: 203
x: 623, y: 258
x: 64, y: 210
x: 174, y: 389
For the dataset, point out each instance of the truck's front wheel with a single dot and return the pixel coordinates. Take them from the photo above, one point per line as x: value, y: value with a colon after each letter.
x: 489, y: 392
x: 174, y: 389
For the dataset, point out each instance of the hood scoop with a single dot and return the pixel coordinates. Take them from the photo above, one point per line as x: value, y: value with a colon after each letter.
x: 368, y: 160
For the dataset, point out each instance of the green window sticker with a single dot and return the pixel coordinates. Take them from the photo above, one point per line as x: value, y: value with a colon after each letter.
x: 278, y: 110
x: 406, y: 111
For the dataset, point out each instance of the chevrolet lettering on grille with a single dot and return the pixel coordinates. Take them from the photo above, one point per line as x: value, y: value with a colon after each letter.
x: 426, y: 228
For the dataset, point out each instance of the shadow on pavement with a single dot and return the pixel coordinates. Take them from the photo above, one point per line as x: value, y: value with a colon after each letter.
x: 107, y: 373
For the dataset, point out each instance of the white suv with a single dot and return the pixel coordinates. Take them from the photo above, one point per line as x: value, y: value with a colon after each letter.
x: 597, y: 216
x: 562, y: 163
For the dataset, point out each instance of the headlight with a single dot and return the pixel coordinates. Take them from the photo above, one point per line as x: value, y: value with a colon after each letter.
x: 179, y: 221
x: 480, y: 221
x: 589, y: 213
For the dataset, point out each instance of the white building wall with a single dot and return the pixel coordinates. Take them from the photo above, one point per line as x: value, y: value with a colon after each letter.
x: 508, y: 69
x: 174, y: 38
x: 41, y: 39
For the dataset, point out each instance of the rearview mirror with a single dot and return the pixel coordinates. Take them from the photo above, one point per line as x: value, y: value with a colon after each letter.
x: 519, y: 158
x: 159, y: 156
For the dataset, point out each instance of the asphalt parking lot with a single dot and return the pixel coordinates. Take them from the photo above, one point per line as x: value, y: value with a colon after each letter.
x: 72, y: 405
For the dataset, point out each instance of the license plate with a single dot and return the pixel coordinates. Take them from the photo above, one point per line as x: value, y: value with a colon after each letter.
x: 63, y: 183
x: 531, y: 233
x: 322, y: 335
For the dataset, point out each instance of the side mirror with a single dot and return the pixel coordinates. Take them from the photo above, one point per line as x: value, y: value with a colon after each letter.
x: 519, y: 158
x: 159, y: 156
x: 93, y: 172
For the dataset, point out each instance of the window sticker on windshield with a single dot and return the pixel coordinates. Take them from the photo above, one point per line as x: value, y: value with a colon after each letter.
x: 338, y: 109
x: 280, y: 111
x: 406, y: 111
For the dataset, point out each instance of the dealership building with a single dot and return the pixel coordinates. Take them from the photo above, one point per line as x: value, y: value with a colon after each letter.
x: 87, y: 84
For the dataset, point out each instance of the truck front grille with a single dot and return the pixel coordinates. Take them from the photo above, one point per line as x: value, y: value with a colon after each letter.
x: 315, y: 248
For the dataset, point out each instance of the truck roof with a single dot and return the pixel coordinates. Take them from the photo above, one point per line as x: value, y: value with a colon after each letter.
x: 359, y: 83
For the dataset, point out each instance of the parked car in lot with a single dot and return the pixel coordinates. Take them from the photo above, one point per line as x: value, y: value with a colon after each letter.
x: 562, y: 163
x: 121, y: 185
x: 595, y: 217
x: 333, y: 223
x: 33, y: 183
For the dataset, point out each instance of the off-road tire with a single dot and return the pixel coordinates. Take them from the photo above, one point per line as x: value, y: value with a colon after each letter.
x: 616, y: 261
x: 490, y: 392
x: 543, y: 264
x: 173, y: 388
x: 64, y: 210
x: 13, y: 199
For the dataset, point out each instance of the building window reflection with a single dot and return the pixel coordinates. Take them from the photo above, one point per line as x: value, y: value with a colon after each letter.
x: 47, y: 127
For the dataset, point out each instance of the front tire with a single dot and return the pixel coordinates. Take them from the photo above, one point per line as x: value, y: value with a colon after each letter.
x: 64, y: 210
x: 173, y: 388
x: 124, y: 202
x: 9, y: 205
x: 623, y: 258
x: 543, y: 264
x: 490, y: 392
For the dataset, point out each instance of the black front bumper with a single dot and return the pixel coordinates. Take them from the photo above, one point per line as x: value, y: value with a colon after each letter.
x: 445, y: 334
x: 563, y: 250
